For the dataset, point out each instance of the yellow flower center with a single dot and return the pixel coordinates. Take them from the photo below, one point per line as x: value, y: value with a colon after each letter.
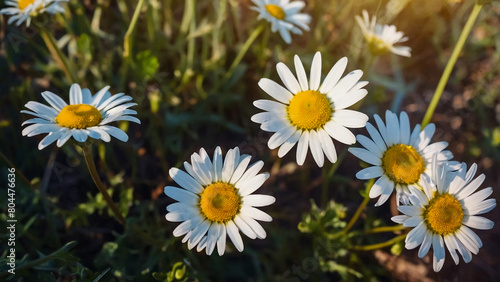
x: 309, y: 110
x: 443, y: 214
x: 79, y: 116
x: 376, y: 45
x: 220, y: 202
x: 403, y: 164
x: 275, y: 11
x: 24, y: 3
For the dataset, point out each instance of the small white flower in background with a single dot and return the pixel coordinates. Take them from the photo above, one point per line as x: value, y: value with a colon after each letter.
x: 85, y: 116
x: 24, y: 10
x: 311, y: 112
x: 217, y: 199
x: 381, y: 38
x: 284, y: 16
x: 442, y: 212
x: 399, y: 156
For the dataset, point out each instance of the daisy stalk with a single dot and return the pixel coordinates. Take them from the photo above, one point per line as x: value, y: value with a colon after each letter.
x: 244, y: 50
x: 87, y: 153
x: 131, y: 27
x: 57, y: 54
x: 451, y: 63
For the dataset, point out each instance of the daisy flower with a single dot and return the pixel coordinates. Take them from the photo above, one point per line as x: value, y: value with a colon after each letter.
x: 85, y: 116
x: 398, y: 157
x: 216, y: 199
x: 284, y: 16
x: 442, y: 212
x: 24, y: 10
x: 381, y: 38
x: 311, y: 113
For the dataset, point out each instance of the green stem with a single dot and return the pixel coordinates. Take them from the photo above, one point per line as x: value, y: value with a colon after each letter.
x: 18, y: 171
x: 244, y: 50
x: 361, y: 207
x: 386, y: 229
x: 451, y: 63
x: 131, y: 27
x: 57, y: 54
x: 87, y: 152
x: 380, y: 245
x: 43, y: 194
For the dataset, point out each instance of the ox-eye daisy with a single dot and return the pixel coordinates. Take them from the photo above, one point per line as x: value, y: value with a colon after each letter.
x: 85, y: 116
x: 381, y: 38
x: 399, y: 156
x: 443, y: 211
x: 24, y: 10
x: 284, y: 16
x: 217, y: 199
x: 310, y: 112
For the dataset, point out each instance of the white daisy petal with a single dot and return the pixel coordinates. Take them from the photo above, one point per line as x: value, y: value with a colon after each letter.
x: 54, y: 100
x: 340, y: 133
x: 350, y: 118
x: 289, y: 143
x: 185, y: 180
x: 327, y: 146
x: 333, y: 76
x: 240, y: 169
x: 234, y: 235
x: 275, y: 90
x: 426, y: 245
x: 370, y: 172
x: 254, y: 225
x: 116, y: 132
x: 302, y: 147
x: 316, y: 150
x: 244, y: 227
x: 345, y: 84
x: 280, y: 137
x: 288, y: 79
x: 365, y: 156
x: 256, y: 200
x: 50, y: 138
x: 315, y: 78
x: 256, y: 214
x: 181, y: 195
x: 301, y: 73
x: 198, y: 233
x: 249, y: 186
x: 221, y: 241
x: 416, y: 236
x: 478, y: 222
x: 75, y: 94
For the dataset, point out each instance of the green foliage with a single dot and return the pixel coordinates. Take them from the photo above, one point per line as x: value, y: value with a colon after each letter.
x: 179, y: 273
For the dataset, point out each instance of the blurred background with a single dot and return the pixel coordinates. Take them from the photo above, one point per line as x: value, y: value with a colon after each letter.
x: 191, y: 94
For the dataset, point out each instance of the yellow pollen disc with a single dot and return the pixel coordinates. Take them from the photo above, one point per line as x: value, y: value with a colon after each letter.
x: 220, y: 202
x: 443, y: 214
x: 24, y: 3
x: 79, y: 116
x: 376, y: 45
x: 309, y: 110
x: 403, y: 164
x: 276, y: 11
